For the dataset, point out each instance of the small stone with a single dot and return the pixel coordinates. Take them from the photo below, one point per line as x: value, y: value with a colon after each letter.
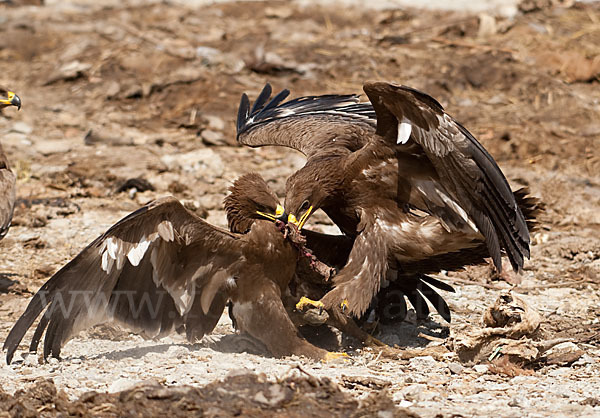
x: 177, y: 351
x: 21, y: 127
x: 260, y: 397
x: 563, y: 354
x: 205, y: 163
x: 53, y: 146
x: 413, y: 392
x: 237, y: 372
x: 583, y: 360
x: 207, y: 52
x: 122, y: 384
x: 424, y: 362
x: 30, y: 359
x: 76, y: 361
x: 214, y: 122
x: 210, y: 137
x: 518, y: 402
x: 481, y: 368
x: 456, y: 368
x: 487, y: 25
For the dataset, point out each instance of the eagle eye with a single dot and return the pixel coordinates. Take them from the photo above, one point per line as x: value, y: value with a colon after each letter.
x: 305, y: 205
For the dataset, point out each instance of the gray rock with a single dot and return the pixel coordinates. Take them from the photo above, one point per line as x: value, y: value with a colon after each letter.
x: 413, y: 392
x: 53, y: 146
x: 423, y: 363
x: 456, y: 368
x: 210, y: 137
x: 122, y: 384
x: 204, y: 163
x: 177, y: 351
x: 21, y: 127
x: 563, y: 354
x: 481, y: 368
x: 214, y: 122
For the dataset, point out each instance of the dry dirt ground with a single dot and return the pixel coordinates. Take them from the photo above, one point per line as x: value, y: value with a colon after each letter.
x: 150, y: 92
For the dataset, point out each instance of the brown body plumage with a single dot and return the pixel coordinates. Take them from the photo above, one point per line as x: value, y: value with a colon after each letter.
x: 162, y: 268
x: 7, y: 177
x: 398, y: 175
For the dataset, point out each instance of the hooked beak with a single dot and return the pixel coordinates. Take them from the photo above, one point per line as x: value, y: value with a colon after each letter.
x: 300, y: 223
x: 280, y: 214
x: 11, y: 100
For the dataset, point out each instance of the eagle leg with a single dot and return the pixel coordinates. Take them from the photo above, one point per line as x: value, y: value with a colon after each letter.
x: 259, y: 311
x: 349, y: 327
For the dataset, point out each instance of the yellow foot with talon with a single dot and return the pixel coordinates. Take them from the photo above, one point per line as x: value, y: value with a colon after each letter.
x: 305, y: 302
x: 344, y: 305
x: 331, y: 356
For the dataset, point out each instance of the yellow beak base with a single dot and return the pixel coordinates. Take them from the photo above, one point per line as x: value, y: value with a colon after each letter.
x: 300, y: 223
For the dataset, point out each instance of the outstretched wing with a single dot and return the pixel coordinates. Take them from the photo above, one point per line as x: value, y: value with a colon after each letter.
x: 465, y: 169
x: 312, y: 124
x: 7, y: 194
x: 157, y: 269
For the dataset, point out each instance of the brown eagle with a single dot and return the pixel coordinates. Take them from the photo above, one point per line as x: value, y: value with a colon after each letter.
x: 7, y: 177
x: 399, y: 176
x: 162, y: 268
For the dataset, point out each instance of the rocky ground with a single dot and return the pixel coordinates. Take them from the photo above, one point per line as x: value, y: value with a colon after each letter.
x: 125, y: 103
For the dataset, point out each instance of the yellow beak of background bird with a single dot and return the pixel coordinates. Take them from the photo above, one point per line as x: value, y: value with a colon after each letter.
x: 11, y: 100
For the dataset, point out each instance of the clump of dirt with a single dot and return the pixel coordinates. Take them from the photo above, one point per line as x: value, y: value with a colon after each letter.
x: 247, y: 395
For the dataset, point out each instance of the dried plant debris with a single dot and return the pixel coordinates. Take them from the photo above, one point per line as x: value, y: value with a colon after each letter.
x: 511, y: 332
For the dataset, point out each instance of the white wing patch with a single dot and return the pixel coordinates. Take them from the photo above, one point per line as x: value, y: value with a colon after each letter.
x: 183, y: 297
x: 136, y: 254
x: 404, y: 131
x: 114, y: 250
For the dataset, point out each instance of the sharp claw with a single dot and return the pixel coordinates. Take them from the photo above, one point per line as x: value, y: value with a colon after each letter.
x: 304, y: 302
x: 331, y: 356
x: 344, y: 305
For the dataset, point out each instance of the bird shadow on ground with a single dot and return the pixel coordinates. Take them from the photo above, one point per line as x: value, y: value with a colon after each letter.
x: 407, y: 334
x: 231, y: 343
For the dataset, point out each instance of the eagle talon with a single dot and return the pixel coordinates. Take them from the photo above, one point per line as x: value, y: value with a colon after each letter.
x: 332, y: 356
x: 306, y: 302
x: 344, y: 305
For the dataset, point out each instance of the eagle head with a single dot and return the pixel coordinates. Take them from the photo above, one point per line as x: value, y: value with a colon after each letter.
x: 249, y: 199
x: 8, y: 98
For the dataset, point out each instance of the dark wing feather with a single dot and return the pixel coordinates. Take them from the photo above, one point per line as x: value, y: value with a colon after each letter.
x: 308, y: 124
x: 435, y: 299
x: 148, y: 272
x: 465, y: 169
x: 7, y: 194
x: 332, y: 250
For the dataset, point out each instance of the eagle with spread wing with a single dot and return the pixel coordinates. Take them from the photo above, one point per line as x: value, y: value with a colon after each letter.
x: 7, y: 177
x: 399, y: 176
x: 162, y: 268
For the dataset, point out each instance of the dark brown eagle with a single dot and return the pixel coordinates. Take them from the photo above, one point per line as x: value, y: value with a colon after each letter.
x: 7, y: 177
x: 162, y: 268
x: 399, y: 176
